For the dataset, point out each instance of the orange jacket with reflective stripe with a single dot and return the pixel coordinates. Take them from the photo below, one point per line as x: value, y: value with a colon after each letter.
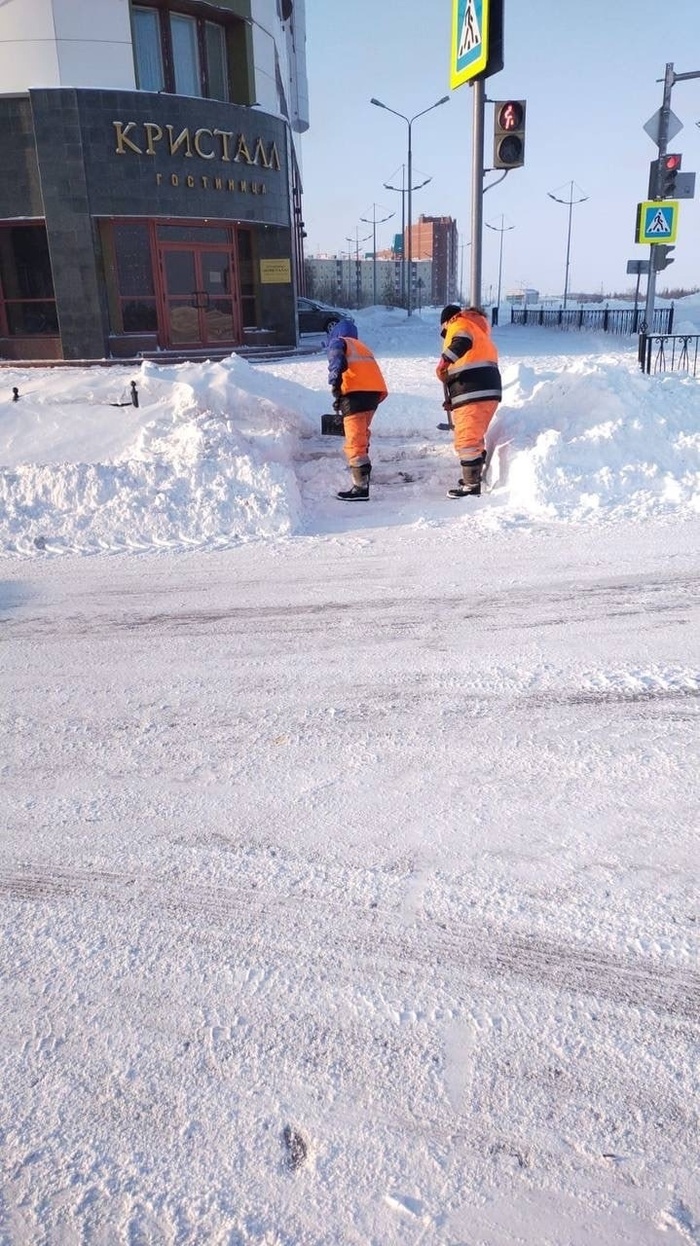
x: 362, y: 373
x: 471, y: 359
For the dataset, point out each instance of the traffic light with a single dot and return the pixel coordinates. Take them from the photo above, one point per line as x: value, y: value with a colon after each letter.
x: 669, y: 168
x: 662, y: 256
x: 509, y: 134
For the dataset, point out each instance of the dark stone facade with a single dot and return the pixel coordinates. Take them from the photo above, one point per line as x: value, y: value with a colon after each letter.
x: 70, y: 156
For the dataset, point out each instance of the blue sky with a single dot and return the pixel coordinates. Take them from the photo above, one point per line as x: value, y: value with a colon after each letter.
x: 590, y: 74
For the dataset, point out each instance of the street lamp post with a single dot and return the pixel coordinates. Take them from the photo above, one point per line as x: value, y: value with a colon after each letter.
x: 570, y: 201
x: 409, y: 122
x: 357, y: 240
x: 501, y: 229
x: 402, y: 191
x: 462, y: 248
x: 374, y: 222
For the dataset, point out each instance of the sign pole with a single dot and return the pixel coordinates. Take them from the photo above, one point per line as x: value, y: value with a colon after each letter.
x: 662, y: 144
x: 478, y: 87
x: 476, y: 54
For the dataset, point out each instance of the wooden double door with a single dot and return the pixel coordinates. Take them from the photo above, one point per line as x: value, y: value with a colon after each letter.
x: 200, y: 294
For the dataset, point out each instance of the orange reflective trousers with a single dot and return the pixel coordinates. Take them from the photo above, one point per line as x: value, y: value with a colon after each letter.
x: 357, y: 438
x: 471, y: 420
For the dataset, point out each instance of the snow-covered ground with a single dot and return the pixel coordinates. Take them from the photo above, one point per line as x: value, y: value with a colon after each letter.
x: 350, y: 858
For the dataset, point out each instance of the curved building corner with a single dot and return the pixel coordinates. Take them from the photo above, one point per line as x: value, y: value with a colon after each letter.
x: 151, y: 199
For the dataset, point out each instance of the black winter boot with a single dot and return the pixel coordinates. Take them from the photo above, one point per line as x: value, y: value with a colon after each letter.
x: 360, y: 485
x: 470, y: 484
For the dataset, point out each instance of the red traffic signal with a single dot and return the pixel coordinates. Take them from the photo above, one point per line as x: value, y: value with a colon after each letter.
x: 669, y: 168
x: 509, y: 134
x: 510, y: 116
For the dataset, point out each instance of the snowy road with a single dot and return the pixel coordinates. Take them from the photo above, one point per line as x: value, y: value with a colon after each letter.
x: 391, y: 846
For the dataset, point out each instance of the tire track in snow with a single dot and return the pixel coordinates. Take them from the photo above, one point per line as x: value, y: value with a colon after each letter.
x: 289, y: 923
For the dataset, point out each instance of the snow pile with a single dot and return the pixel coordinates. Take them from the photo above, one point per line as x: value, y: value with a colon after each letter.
x: 219, y: 453
x: 205, y: 458
x: 600, y: 438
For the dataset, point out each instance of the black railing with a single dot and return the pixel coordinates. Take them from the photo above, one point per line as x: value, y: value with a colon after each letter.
x: 665, y: 352
x: 621, y: 320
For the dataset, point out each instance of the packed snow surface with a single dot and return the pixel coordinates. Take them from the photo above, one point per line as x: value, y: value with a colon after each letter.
x: 350, y: 853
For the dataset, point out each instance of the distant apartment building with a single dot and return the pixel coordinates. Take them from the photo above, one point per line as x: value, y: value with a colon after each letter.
x: 150, y: 197
x: 435, y: 238
x: 523, y: 297
x: 348, y: 282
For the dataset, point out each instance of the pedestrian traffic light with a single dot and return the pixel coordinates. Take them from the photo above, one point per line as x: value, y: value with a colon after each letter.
x: 509, y: 134
x: 669, y: 168
x: 662, y: 256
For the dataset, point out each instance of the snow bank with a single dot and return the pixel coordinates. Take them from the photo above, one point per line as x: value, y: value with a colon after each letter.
x: 225, y: 452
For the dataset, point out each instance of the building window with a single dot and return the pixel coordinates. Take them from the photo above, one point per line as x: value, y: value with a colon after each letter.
x: 249, y: 311
x: 188, y: 71
x: 217, y: 69
x: 27, y: 302
x: 148, y: 50
x: 136, y: 305
x: 179, y: 52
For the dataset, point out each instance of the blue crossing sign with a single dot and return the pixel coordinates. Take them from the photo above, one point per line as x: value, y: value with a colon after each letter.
x: 657, y: 221
x: 477, y: 40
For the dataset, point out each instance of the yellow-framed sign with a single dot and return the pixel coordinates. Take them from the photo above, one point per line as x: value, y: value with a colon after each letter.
x: 657, y: 221
x: 477, y: 40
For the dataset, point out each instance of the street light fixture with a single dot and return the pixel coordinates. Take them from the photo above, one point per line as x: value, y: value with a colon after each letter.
x: 462, y: 248
x: 409, y: 122
x: 357, y: 240
x: 402, y: 191
x: 374, y: 222
x: 571, y: 201
x: 501, y: 229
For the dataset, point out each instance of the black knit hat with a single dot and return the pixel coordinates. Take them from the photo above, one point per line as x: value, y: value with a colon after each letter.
x: 448, y: 312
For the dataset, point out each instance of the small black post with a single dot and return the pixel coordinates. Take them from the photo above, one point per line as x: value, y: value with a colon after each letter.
x: 641, y: 348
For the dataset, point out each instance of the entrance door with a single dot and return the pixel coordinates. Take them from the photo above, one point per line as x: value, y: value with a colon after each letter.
x: 200, y: 304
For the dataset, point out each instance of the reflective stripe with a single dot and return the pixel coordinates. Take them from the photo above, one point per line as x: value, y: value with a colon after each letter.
x: 467, y: 367
x: 481, y: 395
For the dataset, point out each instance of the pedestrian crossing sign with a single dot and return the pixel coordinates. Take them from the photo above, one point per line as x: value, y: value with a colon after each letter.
x: 657, y: 221
x: 470, y: 40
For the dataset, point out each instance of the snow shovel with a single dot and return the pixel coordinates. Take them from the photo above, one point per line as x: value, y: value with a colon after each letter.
x: 446, y: 427
x: 332, y: 425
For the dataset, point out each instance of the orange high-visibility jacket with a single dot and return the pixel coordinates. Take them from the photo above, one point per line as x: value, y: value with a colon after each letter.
x: 362, y: 375
x: 471, y: 358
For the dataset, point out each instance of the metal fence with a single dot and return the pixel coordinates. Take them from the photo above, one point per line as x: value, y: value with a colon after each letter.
x: 665, y: 352
x: 622, y: 320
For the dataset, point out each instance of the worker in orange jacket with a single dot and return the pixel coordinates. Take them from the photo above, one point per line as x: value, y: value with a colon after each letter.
x: 358, y: 388
x: 468, y: 369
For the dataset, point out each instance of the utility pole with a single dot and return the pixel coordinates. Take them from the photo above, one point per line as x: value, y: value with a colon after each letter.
x: 374, y: 222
